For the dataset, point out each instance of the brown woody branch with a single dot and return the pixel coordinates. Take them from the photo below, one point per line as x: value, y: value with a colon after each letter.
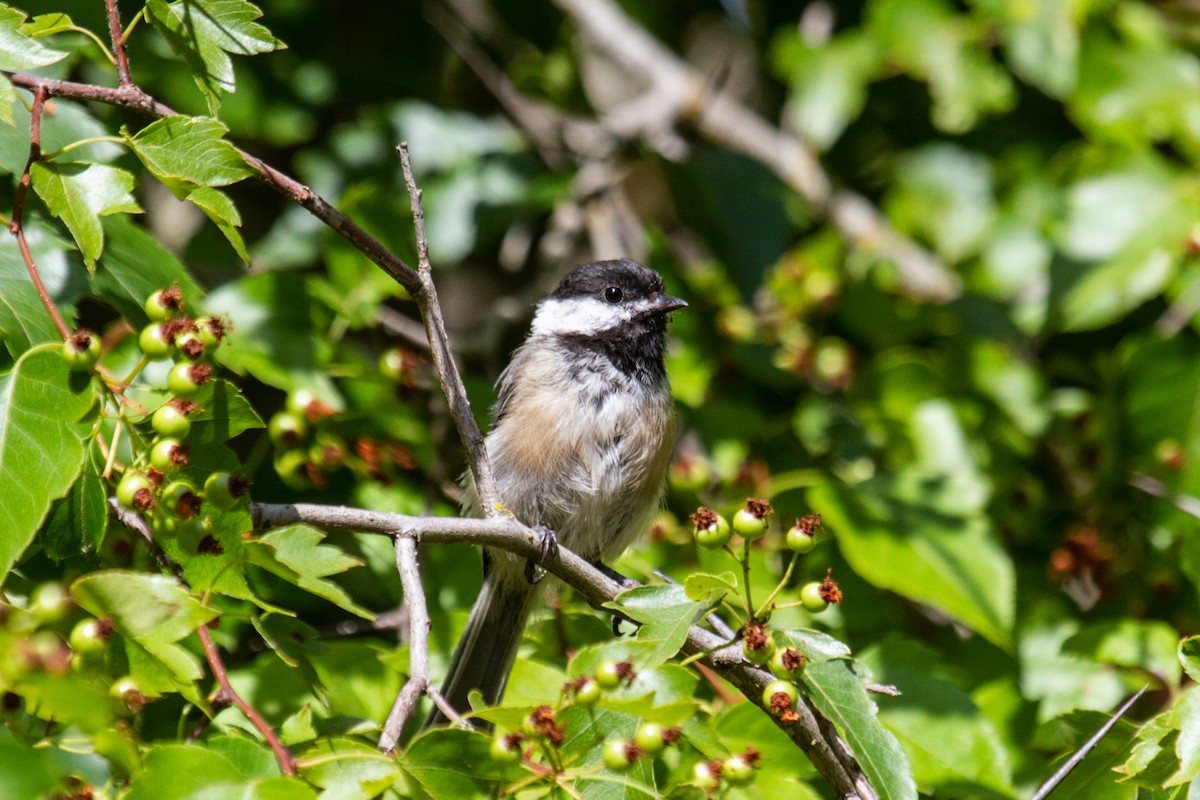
x: 835, y: 766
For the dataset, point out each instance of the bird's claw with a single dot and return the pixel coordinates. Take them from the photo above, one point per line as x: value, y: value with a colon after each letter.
x: 547, y: 550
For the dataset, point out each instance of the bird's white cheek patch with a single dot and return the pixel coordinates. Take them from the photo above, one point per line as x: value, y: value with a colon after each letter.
x: 578, y: 315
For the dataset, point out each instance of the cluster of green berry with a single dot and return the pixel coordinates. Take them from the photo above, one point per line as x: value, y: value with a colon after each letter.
x: 544, y: 730
x: 713, y: 531
x: 48, y: 635
x: 151, y: 484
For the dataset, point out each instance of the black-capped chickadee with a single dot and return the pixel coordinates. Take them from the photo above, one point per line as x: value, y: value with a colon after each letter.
x: 581, y: 436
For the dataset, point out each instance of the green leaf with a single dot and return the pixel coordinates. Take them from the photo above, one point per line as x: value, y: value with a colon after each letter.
x: 453, y: 763
x: 1041, y: 41
x: 47, y: 25
x: 295, y: 553
x: 1187, y: 747
x: 41, y: 443
x: 77, y: 522
x: 1149, y: 645
x: 224, y: 214
x: 949, y: 561
x: 350, y: 770
x: 944, y: 193
x: 700, y: 585
x: 19, y: 51
x: 828, y: 84
x: 205, y: 32
x: 1189, y: 656
x: 187, y: 772
x: 949, y: 743
x: 1152, y: 761
x: 153, y: 613
x: 666, y: 615
x: 836, y: 689
x: 188, y: 152
x: 23, y: 319
x: 926, y: 38
x: 133, y: 265
x: 79, y: 194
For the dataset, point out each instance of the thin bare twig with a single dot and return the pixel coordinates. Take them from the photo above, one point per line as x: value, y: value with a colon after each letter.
x: 1155, y: 488
x: 594, y: 586
x: 134, y: 522
x: 118, y: 40
x: 443, y: 358
x: 1071, y: 763
x: 17, y: 225
x: 418, y: 644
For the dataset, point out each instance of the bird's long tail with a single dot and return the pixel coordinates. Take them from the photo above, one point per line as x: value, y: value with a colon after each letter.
x: 488, y: 647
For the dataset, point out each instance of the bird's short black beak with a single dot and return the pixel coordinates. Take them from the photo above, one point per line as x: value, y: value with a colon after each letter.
x: 665, y: 303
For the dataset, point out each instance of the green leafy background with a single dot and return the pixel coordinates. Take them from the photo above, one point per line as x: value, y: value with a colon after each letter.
x: 1008, y: 477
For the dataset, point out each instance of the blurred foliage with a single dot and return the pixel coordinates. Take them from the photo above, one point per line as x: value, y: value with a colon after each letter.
x: 1008, y: 479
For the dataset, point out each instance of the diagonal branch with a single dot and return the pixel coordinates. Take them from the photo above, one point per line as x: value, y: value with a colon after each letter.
x: 504, y: 532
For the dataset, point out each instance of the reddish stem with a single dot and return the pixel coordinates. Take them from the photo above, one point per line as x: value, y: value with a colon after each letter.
x: 16, y: 226
x: 286, y: 763
x: 118, y: 41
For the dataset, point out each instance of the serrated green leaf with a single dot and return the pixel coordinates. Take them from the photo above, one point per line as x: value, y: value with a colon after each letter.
x: 205, y: 32
x: 19, y: 51
x: 47, y: 25
x: 188, y: 152
x: 153, y: 612
x: 295, y: 553
x: 350, y: 770
x: 837, y: 691
x: 814, y: 645
x: 666, y: 615
x: 1189, y: 656
x: 1187, y: 747
x: 1152, y: 760
x: 701, y: 585
x: 133, y: 265
x: 41, y: 442
x: 452, y: 764
x: 79, y: 194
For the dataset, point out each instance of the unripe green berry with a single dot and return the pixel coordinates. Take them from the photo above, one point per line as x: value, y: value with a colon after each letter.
x: 780, y: 705
x: 737, y: 771
x: 711, y: 529
x: 224, y: 490
x: 164, y: 303
x: 287, y: 429
x: 750, y: 522
x: 186, y: 378
x: 89, y: 636
x: 787, y: 663
x: 168, y: 455
x: 811, y: 599
x: 154, y: 341
x: 608, y: 675
x: 616, y: 755
x: 506, y: 748
x: 49, y: 602
x: 588, y: 693
x: 649, y: 737
x: 758, y: 651
x: 81, y: 350
x: 135, y: 490
x: 705, y: 777
x: 170, y: 421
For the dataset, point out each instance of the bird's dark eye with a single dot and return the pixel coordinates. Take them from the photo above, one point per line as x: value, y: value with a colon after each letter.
x: 613, y: 294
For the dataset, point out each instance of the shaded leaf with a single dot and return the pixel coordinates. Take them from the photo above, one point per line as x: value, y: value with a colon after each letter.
x: 133, y: 265
x: 77, y: 522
